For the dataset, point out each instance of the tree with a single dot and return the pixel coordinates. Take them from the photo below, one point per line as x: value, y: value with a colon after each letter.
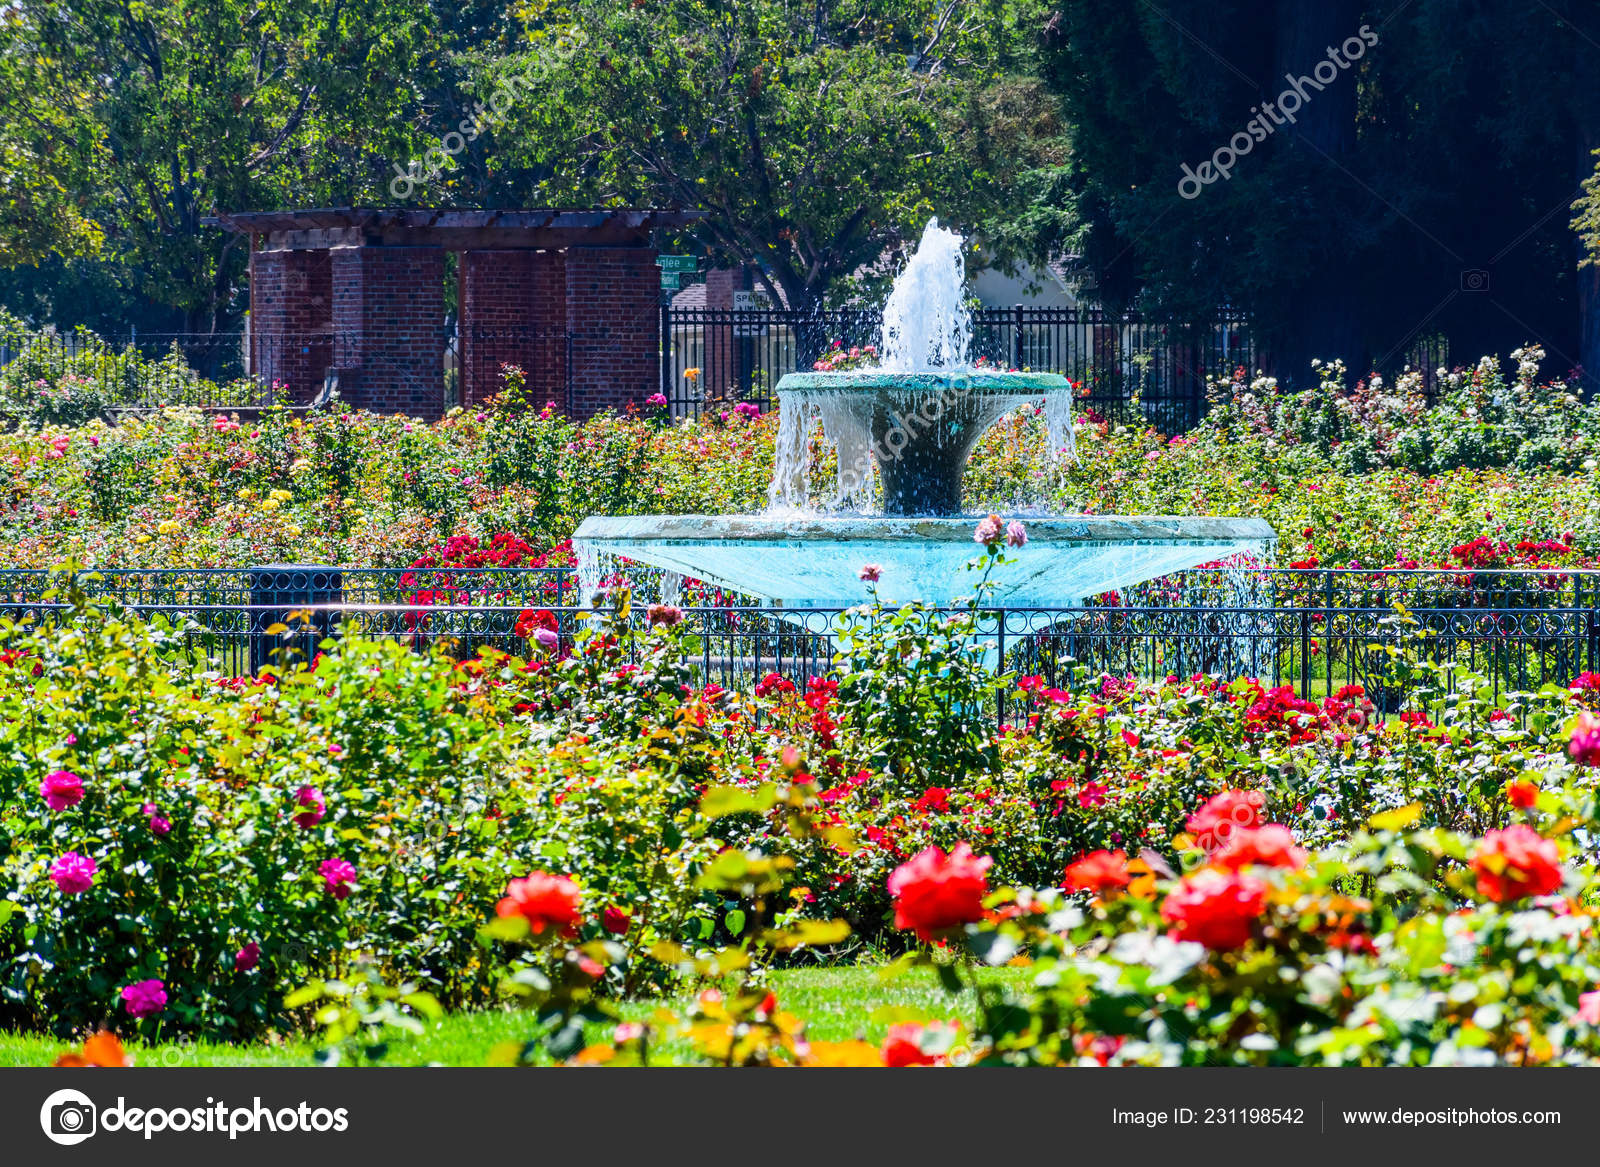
x: 124, y: 125
x: 1415, y: 191
x: 815, y: 134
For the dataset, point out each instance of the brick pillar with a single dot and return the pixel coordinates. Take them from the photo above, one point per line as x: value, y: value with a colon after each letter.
x: 547, y: 377
x: 614, y: 327
x: 497, y: 292
x: 291, y: 314
x: 388, y: 319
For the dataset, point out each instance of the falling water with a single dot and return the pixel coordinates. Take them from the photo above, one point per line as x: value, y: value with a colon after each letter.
x: 1058, y: 426
x: 796, y: 415
x: 1248, y: 606
x: 845, y: 429
x: 926, y: 323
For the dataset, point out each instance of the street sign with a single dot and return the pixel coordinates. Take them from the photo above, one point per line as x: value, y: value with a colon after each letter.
x: 750, y: 302
x: 669, y: 279
x: 677, y: 263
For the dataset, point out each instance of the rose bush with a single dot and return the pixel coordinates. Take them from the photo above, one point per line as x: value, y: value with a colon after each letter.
x: 1496, y: 471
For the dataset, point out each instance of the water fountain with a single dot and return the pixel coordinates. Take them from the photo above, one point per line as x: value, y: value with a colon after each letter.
x: 903, y: 432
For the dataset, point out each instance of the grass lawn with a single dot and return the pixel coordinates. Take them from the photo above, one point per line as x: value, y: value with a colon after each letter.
x: 838, y: 1004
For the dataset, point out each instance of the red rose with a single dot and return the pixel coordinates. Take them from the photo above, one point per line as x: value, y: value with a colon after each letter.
x: 615, y: 921
x: 530, y: 621
x: 544, y: 900
x: 1092, y: 795
x: 1100, y: 872
x: 934, y: 799
x: 1215, y: 908
x: 1516, y: 862
x: 903, y: 1044
x: 1522, y: 793
x: 1224, y: 813
x: 1268, y: 846
x: 934, y: 892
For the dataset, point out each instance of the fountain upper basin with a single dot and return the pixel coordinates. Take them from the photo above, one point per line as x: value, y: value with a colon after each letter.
x: 917, y: 428
x: 815, y: 561
x: 1029, y: 386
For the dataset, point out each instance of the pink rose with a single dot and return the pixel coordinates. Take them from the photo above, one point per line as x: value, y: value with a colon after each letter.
x: 988, y: 530
x: 1016, y: 534
x: 870, y: 572
x: 159, y: 824
x: 311, y: 799
x: 247, y: 957
x: 1589, y: 1008
x: 73, y: 873
x: 1584, y: 745
x: 339, y: 876
x: 665, y: 615
x: 145, y: 998
x: 61, y: 789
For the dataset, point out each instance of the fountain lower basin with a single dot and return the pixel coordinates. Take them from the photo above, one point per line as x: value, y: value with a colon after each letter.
x: 815, y: 561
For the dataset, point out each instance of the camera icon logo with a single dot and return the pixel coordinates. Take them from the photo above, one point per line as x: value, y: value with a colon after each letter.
x: 1474, y: 279
x: 68, y: 1117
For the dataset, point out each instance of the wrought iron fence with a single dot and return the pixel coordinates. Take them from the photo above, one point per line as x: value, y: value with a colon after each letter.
x: 150, y: 369
x: 1127, y: 365
x: 544, y: 355
x: 1313, y: 630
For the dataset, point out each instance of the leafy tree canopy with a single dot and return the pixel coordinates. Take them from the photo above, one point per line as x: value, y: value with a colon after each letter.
x: 815, y: 134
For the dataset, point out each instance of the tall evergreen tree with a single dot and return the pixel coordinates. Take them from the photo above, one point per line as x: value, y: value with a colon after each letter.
x: 1421, y: 191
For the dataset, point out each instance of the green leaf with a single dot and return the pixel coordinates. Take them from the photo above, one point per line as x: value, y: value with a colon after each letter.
x: 720, y: 801
x: 506, y: 928
x: 304, y: 996
x: 950, y: 978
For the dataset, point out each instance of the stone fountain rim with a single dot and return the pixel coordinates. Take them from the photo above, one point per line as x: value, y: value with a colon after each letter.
x: 770, y: 528
x: 969, y: 380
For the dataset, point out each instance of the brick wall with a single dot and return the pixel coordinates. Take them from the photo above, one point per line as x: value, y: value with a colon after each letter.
x: 514, y: 311
x: 584, y: 324
x: 388, y: 322
x: 614, y: 327
x: 496, y: 300
x: 291, y: 310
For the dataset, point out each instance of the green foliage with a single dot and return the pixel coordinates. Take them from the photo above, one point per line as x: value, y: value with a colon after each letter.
x: 1346, y: 230
x: 916, y: 692
x: 815, y: 135
x: 125, y: 126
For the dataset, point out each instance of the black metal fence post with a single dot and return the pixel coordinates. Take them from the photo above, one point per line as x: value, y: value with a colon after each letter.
x: 666, y: 351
